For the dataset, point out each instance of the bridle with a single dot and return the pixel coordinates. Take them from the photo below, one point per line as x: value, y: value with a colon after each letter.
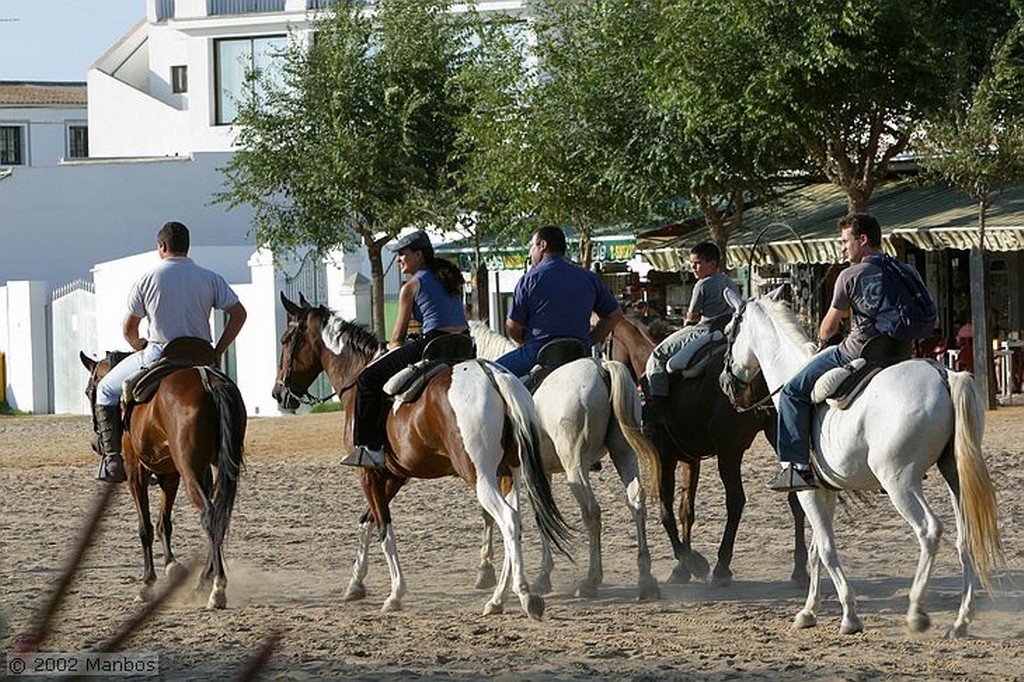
x: 284, y: 383
x: 736, y: 385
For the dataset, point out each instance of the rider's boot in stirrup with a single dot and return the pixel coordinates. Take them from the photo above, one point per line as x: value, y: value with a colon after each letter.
x: 108, y: 431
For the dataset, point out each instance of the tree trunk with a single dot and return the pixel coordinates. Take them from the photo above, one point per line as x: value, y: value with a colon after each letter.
x: 373, y: 249
x: 983, y: 365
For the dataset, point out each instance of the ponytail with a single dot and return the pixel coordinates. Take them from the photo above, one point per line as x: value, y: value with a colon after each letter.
x: 447, y: 273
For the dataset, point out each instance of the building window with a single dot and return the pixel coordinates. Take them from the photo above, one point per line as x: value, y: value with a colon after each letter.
x: 234, y: 59
x: 179, y: 79
x: 78, y: 141
x: 12, y: 145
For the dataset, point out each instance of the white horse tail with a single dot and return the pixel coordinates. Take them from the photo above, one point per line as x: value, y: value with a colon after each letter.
x: 623, y: 399
x: 520, y: 412
x: 977, y: 494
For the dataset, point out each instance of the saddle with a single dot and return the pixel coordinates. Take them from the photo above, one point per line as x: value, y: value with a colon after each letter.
x: 444, y: 351
x: 186, y: 351
x: 691, y: 360
x: 841, y: 386
x: 551, y: 356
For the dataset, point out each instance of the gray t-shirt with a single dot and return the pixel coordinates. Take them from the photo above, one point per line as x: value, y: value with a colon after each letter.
x: 177, y: 297
x: 708, y: 298
x: 859, y: 290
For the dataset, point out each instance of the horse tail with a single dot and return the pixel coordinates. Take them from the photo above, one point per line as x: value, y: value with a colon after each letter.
x: 977, y: 498
x: 624, y: 406
x: 231, y: 423
x: 520, y: 412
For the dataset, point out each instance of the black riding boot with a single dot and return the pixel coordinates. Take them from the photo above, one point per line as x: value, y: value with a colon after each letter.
x: 108, y: 432
x: 654, y: 415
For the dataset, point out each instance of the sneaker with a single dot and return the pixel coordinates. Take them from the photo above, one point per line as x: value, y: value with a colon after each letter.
x: 112, y: 470
x: 364, y: 456
x: 791, y: 480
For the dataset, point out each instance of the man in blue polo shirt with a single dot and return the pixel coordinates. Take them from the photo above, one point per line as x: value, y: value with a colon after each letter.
x: 554, y: 300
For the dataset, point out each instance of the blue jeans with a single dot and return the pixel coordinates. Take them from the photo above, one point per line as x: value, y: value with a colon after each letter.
x: 795, y: 406
x: 521, y: 360
x: 111, y: 386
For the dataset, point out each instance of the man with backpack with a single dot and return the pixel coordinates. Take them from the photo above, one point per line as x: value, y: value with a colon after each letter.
x: 882, y: 296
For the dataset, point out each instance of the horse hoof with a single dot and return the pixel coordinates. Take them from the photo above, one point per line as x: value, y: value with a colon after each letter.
x: 800, y: 579
x: 585, y: 589
x: 679, y: 576
x: 649, y: 591
x: 541, y: 585
x: 919, y: 622
x: 804, y: 619
x: 356, y: 591
x: 535, y: 606
x: 851, y: 626
x: 721, y: 578
x: 697, y: 565
x: 174, y: 570
x: 391, y: 604
x: 957, y: 630
x: 485, y: 577
x: 493, y: 608
x: 218, y: 600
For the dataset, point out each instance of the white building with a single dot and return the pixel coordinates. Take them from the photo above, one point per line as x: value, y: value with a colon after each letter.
x: 42, y: 123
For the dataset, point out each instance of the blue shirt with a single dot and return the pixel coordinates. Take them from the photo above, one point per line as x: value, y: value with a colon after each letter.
x: 434, y: 307
x: 555, y: 299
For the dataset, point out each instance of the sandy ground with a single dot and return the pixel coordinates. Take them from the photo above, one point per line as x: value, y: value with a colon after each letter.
x: 293, y: 541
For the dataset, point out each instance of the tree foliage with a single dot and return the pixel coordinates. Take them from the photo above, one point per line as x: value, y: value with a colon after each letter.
x: 355, y: 140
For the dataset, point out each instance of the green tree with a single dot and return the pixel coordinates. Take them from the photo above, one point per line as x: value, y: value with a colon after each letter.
x: 855, y: 80
x: 355, y: 140
x: 977, y: 145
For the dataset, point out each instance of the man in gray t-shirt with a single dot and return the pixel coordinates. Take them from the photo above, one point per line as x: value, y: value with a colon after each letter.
x: 708, y: 308
x: 177, y: 297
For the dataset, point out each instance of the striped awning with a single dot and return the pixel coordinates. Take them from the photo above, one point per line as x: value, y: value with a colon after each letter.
x: 800, y: 226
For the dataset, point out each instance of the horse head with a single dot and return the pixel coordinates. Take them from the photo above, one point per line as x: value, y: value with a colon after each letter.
x: 317, y: 340
x: 740, y: 367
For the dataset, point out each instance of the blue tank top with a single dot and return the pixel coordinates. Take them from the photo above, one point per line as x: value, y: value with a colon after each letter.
x: 434, y: 307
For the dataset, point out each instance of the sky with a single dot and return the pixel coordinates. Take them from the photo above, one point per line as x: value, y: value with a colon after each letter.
x: 58, y: 40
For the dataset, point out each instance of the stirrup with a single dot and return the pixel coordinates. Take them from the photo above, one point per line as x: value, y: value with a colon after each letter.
x: 791, y: 480
x: 363, y: 456
x: 111, y: 469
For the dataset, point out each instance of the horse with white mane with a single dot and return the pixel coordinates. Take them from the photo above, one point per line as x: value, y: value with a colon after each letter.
x: 912, y: 415
x: 580, y: 417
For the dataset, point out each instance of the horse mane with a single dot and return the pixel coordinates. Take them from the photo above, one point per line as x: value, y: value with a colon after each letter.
x: 784, y: 317
x: 337, y: 332
x: 490, y: 345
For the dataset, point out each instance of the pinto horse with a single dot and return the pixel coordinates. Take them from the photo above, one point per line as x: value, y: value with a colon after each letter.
x: 473, y: 420
x: 702, y: 423
x: 192, y: 427
x: 582, y: 417
x: 913, y: 415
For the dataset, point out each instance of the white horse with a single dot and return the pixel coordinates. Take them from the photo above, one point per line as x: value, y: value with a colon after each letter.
x: 580, y: 417
x: 911, y: 416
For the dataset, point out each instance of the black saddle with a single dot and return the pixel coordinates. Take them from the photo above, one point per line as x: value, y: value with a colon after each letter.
x: 440, y: 352
x: 186, y: 351
x: 551, y: 356
x: 879, y: 352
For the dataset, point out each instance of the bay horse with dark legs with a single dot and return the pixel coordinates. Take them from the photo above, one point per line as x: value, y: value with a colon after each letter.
x: 473, y: 420
x: 191, y: 429
x: 702, y: 423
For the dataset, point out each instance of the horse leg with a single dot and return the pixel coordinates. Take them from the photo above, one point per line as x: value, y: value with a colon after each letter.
x: 628, y: 468
x: 356, y: 590
x: 947, y: 466
x: 799, y: 575
x: 729, y: 461
x: 485, y: 578
x: 579, y: 483
x: 542, y: 583
x: 506, y: 515
x: 169, y: 492
x: 807, y: 617
x: 689, y: 562
x: 820, y: 506
x: 138, y: 483
x: 910, y: 503
x: 379, y: 487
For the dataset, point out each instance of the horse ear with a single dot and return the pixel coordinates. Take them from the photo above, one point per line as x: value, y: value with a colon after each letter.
x: 733, y: 299
x: 777, y: 293
x: 87, y: 362
x: 290, y: 307
x: 302, y: 301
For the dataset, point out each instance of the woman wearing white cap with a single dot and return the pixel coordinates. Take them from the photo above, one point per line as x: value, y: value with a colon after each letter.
x: 433, y: 295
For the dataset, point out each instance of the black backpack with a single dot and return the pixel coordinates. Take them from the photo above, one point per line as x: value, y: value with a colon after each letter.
x: 906, y: 310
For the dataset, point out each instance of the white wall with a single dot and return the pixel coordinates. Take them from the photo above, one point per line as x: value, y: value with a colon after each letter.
x: 45, y: 131
x: 25, y: 345
x: 56, y: 222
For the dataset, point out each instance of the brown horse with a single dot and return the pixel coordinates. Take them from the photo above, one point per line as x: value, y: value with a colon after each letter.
x: 702, y: 423
x: 473, y: 420
x: 190, y: 427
